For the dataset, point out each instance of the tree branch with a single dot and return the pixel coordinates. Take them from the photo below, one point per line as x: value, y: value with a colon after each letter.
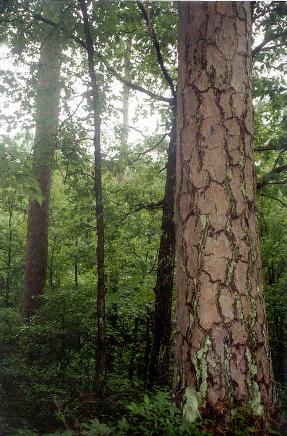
x: 267, y: 38
x: 152, y: 34
x: 149, y: 206
x: 265, y: 179
x: 110, y: 69
x: 132, y: 85
x: 270, y: 148
x: 280, y: 169
x: 274, y: 198
x: 138, y: 131
x: 149, y: 149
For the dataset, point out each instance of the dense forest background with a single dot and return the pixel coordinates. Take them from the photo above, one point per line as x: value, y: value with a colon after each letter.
x: 49, y: 377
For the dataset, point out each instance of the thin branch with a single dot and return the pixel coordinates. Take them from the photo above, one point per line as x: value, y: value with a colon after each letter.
x: 70, y: 115
x: 82, y: 173
x: 149, y: 149
x: 276, y: 169
x: 132, y: 85
x: 272, y: 47
x: 162, y: 169
x: 149, y: 206
x: 271, y: 148
x: 152, y: 34
x: 278, y: 67
x: 281, y: 182
x: 274, y: 198
x: 138, y: 131
x: 280, y: 169
x: 110, y: 69
x: 52, y: 23
x: 268, y: 38
x: 265, y: 179
x: 265, y: 183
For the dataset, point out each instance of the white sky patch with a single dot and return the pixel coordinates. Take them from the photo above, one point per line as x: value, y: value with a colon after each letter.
x: 143, y: 121
x: 148, y: 124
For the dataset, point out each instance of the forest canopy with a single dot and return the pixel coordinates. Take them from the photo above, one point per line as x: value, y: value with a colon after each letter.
x: 143, y: 196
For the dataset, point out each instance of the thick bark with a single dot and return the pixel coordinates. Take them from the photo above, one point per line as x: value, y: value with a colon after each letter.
x: 101, y: 347
x: 159, y: 365
x: 222, y: 359
x: 47, y: 114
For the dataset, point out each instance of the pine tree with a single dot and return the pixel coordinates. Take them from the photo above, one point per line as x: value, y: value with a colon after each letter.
x: 222, y: 359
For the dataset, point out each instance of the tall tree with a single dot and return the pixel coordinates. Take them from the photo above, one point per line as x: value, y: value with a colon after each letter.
x: 125, y: 103
x: 9, y: 251
x: 222, y: 359
x: 159, y: 365
x: 47, y: 115
x: 101, y: 345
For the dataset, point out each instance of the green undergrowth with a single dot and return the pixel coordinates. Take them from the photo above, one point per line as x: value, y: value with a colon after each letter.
x: 157, y: 415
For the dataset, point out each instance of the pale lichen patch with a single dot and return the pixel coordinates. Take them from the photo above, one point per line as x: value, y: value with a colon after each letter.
x: 190, y: 408
x: 196, y: 398
x: 255, y: 401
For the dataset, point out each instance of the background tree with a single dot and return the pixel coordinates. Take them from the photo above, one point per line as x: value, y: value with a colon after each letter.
x: 47, y: 113
x: 160, y: 353
x: 101, y: 346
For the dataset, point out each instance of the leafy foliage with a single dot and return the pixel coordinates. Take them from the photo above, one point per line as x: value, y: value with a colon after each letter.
x: 48, y: 366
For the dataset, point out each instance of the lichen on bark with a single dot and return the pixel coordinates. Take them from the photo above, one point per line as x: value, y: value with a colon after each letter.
x: 219, y: 288
x: 200, y: 365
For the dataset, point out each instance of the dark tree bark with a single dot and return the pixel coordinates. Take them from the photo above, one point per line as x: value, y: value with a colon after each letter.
x: 51, y: 266
x: 125, y: 103
x: 47, y: 114
x: 134, y: 350
x: 147, y: 347
x: 124, y: 132
x: 101, y: 346
x: 76, y: 266
x: 9, y: 254
x: 222, y: 359
x: 159, y: 365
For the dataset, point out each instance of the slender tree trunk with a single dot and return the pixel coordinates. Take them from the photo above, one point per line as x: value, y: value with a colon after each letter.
x: 76, y: 267
x: 147, y: 348
x: 222, y: 358
x: 134, y: 350
x: 125, y: 109
x: 51, y: 268
x: 47, y: 114
x: 279, y: 349
x: 124, y: 134
x: 159, y: 366
x: 101, y: 367
x: 9, y: 254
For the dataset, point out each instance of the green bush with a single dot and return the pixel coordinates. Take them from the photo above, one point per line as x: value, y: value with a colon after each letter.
x: 154, y: 416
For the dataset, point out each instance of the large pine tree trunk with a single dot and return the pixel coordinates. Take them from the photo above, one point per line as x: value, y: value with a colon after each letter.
x: 159, y: 365
x: 101, y: 344
x: 222, y: 358
x: 47, y: 115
